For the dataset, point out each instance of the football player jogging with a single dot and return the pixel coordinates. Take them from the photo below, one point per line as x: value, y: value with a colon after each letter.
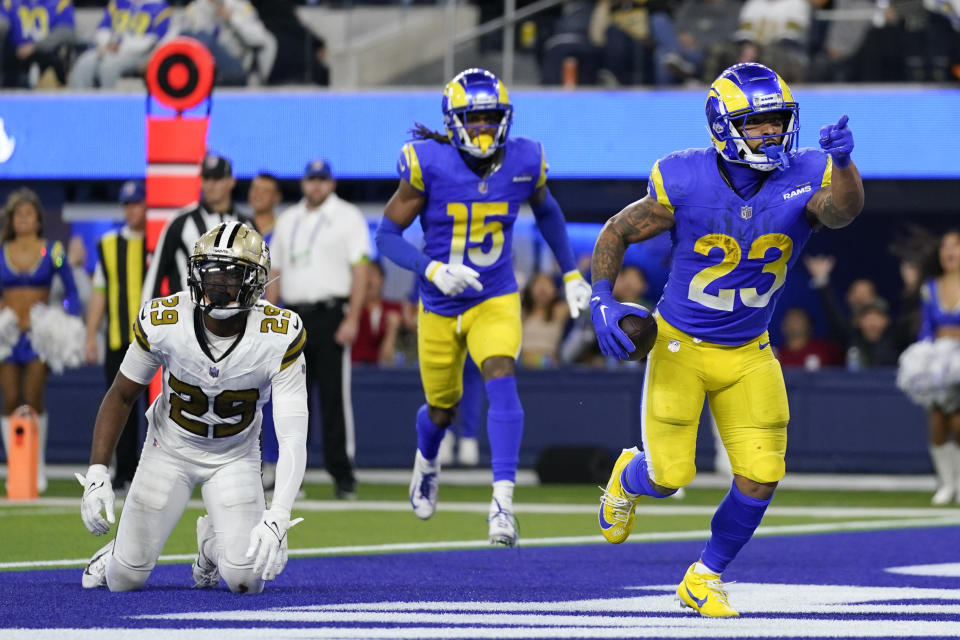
x: 467, y: 187
x: 738, y: 214
x: 223, y: 353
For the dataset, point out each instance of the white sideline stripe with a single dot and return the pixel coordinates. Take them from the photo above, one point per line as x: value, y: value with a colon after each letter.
x: 527, y: 477
x: 647, y: 627
x: 827, y: 527
x: 648, y: 508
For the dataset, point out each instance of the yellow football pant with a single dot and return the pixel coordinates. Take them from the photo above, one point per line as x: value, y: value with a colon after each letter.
x: 744, y: 386
x: 491, y: 328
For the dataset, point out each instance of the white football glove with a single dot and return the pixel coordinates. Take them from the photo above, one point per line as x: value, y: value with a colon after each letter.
x: 577, y: 292
x: 97, y: 495
x: 452, y: 279
x: 268, y: 543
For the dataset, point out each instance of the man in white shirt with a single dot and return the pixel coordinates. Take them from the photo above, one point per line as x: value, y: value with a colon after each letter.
x: 223, y: 352
x: 320, y: 249
x: 176, y: 242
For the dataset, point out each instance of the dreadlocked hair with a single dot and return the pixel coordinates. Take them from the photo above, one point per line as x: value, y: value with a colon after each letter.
x: 422, y: 132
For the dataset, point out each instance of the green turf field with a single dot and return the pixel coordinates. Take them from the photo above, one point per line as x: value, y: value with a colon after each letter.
x: 50, y: 528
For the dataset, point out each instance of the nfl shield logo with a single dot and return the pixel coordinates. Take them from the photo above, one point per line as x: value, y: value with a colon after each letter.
x: 214, y: 372
x: 482, y: 187
x: 746, y: 212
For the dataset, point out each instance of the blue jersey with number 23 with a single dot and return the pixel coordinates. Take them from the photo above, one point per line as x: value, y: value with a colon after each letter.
x: 731, y: 255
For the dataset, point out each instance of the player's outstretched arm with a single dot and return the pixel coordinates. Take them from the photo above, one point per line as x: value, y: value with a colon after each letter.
x: 638, y: 221
x: 839, y: 203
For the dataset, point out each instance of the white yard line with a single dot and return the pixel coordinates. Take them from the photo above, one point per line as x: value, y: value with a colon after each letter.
x: 827, y: 527
x: 527, y: 477
x: 645, y: 508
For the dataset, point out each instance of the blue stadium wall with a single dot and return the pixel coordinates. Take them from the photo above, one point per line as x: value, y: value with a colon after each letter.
x: 587, y: 134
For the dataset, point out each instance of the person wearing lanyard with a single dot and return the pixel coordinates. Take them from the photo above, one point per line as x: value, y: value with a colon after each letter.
x: 320, y: 250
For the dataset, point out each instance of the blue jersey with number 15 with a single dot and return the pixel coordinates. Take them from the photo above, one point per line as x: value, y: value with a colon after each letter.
x: 468, y: 219
x: 731, y: 255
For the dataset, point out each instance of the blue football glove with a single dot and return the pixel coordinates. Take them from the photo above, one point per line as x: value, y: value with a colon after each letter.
x: 606, y: 312
x: 837, y: 140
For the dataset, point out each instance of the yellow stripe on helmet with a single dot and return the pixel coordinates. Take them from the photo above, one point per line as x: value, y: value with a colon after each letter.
x: 504, y: 97
x: 787, y: 94
x: 732, y: 97
x: 457, y: 95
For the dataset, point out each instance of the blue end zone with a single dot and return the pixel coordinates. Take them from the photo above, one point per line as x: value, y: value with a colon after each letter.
x: 777, y: 577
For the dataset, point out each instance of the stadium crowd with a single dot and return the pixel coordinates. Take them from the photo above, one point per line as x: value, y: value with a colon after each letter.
x: 600, y: 42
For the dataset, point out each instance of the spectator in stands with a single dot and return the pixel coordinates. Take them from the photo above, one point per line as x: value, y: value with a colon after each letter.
x: 26, y: 273
x: 41, y: 33
x: 379, y: 326
x: 836, y: 61
x: 570, y: 39
x: 622, y: 30
x: 172, y: 253
x: 5, y: 18
x: 320, y: 250
x: 301, y: 54
x: 775, y: 33
x: 126, y: 35
x: 867, y: 334
x: 893, y: 49
x: 544, y: 317
x: 800, y: 348
x: 703, y: 41
x: 119, y: 278
x: 236, y: 37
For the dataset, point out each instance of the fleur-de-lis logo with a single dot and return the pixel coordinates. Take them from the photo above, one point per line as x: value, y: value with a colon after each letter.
x: 214, y: 372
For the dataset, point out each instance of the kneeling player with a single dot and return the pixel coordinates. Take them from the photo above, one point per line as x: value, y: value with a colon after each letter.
x: 222, y: 352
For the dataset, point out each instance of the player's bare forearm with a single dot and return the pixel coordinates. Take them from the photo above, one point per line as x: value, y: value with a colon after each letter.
x: 840, y: 203
x: 638, y: 221
x: 113, y: 413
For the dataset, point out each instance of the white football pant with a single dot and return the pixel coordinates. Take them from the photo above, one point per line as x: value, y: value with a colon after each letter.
x: 232, y: 494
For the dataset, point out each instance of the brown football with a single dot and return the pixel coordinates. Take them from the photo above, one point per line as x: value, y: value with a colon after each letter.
x: 642, y: 330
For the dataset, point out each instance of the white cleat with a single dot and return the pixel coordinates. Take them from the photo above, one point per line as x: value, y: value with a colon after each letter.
x: 206, y: 575
x: 503, y: 526
x: 424, y: 486
x: 95, y: 575
x: 944, y: 495
x: 468, y: 452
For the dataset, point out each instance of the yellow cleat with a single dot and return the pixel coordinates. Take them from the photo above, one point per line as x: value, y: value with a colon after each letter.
x: 616, y: 505
x: 704, y: 593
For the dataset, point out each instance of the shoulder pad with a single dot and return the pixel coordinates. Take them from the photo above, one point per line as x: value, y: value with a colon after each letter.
x: 158, y: 316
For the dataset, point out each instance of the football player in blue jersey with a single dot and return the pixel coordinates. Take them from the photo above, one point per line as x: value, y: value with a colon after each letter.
x: 467, y: 187
x: 738, y: 213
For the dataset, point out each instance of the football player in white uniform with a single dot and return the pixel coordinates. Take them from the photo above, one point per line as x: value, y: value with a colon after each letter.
x: 223, y: 351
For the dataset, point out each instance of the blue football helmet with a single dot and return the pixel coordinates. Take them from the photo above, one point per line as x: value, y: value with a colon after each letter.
x: 471, y: 91
x: 744, y: 90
